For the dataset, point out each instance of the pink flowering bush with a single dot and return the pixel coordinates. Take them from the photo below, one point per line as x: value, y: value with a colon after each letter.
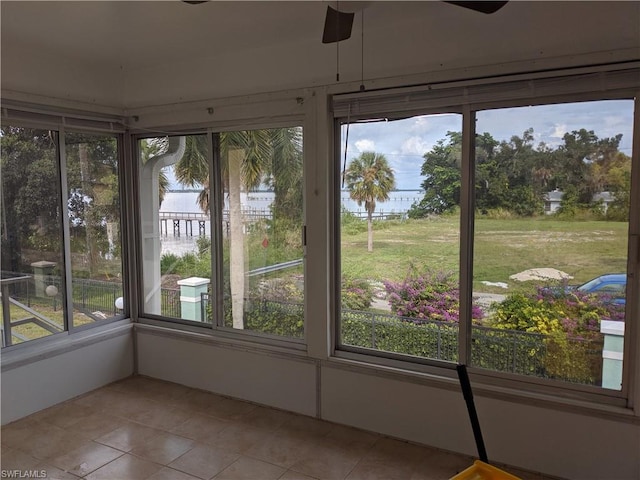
x: 427, y: 296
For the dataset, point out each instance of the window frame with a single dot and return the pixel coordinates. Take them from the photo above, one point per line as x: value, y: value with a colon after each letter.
x: 396, y: 103
x: 62, y: 121
x: 215, y: 329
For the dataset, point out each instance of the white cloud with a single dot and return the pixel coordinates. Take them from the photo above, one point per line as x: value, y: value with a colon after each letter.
x: 415, y: 146
x: 559, y: 129
x: 365, y: 145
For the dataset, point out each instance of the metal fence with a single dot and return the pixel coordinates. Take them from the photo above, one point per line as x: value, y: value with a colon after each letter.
x: 523, y: 353
x: 93, y: 296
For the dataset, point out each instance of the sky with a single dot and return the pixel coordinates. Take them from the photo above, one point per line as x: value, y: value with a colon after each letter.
x: 404, y: 142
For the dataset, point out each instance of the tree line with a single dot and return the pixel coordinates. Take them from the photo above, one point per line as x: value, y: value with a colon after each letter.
x: 516, y: 175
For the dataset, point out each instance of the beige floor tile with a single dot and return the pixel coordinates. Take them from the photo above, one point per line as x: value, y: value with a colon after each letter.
x: 268, y: 418
x: 96, y: 425
x: 327, y: 463
x: 128, y: 436
x: 86, y: 459
x: 13, y: 459
x: 156, y: 415
x: 167, y: 473
x: 46, y: 441
x: 20, y: 431
x: 65, y: 414
x: 170, y: 393
x: 126, y: 467
x: 101, y: 399
x: 230, y: 409
x: 350, y: 439
x: 281, y: 449
x: 54, y: 473
x: 202, y: 428
x: 388, y: 459
x: 199, y: 401
x: 390, y: 449
x: 379, y: 471
x: 239, y: 437
x: 204, y: 461
x: 291, y: 475
x: 300, y: 426
x: 163, y: 448
x: 250, y: 469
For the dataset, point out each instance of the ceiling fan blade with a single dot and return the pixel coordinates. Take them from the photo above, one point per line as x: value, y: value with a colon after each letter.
x: 482, y: 7
x: 337, y: 26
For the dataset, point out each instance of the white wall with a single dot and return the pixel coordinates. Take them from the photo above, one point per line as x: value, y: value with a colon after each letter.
x: 62, y: 372
x: 275, y: 380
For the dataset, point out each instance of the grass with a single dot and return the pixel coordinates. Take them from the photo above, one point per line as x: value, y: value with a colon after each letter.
x: 45, y: 308
x: 502, y: 248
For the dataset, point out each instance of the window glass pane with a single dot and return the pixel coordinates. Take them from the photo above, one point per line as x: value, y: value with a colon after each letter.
x: 93, y: 201
x: 400, y: 236
x: 262, y: 177
x: 176, y: 232
x: 551, y: 227
x: 31, y: 231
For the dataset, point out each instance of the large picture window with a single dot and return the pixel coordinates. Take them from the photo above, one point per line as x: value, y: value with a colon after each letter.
x: 399, y: 281
x: 222, y: 230
x: 497, y: 237
x: 552, y: 190
x: 61, y: 250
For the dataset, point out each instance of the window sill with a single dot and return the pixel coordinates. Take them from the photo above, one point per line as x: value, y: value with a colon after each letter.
x: 221, y: 338
x: 499, y: 389
x: 37, y: 350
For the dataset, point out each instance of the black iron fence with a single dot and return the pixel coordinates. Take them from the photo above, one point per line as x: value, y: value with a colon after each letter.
x: 93, y: 296
x: 523, y: 353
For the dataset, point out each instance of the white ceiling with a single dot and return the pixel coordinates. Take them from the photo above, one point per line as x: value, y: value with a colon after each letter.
x: 265, y: 46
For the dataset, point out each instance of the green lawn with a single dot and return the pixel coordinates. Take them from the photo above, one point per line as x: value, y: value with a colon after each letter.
x: 502, y: 248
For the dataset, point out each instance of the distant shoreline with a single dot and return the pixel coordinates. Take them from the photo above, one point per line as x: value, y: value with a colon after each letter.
x: 196, y: 190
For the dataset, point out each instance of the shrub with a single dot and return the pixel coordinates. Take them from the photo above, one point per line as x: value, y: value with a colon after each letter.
x: 169, y: 263
x: 437, y: 340
x: 427, y: 296
x: 204, y: 245
x: 350, y: 224
x: 571, y: 321
x: 356, y: 293
x: 275, y: 318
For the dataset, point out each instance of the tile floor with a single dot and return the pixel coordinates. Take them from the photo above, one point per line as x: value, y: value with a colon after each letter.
x: 141, y: 428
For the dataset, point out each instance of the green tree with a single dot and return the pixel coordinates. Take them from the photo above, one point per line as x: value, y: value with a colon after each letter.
x: 584, y: 161
x: 442, y: 167
x: 249, y: 158
x: 29, y: 198
x: 369, y: 179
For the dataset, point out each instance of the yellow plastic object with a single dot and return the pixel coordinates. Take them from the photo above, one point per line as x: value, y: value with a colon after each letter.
x: 483, y: 471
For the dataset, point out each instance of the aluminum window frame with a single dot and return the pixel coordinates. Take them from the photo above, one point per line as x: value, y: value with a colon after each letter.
x: 469, y: 97
x: 216, y: 330
x: 62, y: 121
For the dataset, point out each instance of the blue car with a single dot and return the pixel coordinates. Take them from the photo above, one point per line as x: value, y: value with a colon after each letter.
x: 613, y: 284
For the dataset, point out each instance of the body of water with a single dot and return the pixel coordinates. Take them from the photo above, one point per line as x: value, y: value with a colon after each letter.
x: 187, y: 202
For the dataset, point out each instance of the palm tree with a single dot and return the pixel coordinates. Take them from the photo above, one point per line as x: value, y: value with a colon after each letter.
x: 369, y: 179
x: 246, y: 162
